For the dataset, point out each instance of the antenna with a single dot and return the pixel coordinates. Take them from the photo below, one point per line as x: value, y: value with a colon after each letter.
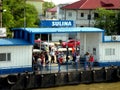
x: 1, y: 13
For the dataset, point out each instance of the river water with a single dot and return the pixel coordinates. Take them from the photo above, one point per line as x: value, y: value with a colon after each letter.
x: 95, y: 86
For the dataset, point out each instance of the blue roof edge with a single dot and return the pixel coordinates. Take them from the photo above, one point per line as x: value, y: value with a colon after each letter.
x: 61, y: 30
x: 14, y: 42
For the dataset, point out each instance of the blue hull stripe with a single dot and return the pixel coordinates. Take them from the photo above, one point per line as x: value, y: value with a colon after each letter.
x: 103, y: 64
x: 15, y: 70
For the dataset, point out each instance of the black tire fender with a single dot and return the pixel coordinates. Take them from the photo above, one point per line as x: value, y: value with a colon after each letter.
x: 11, y: 79
x: 118, y: 73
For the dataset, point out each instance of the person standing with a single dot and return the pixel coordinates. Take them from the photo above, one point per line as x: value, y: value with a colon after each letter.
x: 46, y: 61
x: 52, y: 54
x: 74, y: 57
x: 91, y: 61
x: 56, y: 54
x: 60, y: 60
x: 73, y: 50
x: 86, y: 62
x: 77, y: 60
x: 39, y: 63
x: 42, y: 57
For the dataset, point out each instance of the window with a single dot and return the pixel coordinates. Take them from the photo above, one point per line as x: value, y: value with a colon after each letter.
x: 82, y: 14
x: 94, y: 51
x: 61, y: 12
x: 8, y: 56
x: 96, y: 15
x: 89, y: 16
x: 2, y: 56
x: 70, y: 14
x: 53, y: 13
x: 5, y: 56
x: 110, y: 51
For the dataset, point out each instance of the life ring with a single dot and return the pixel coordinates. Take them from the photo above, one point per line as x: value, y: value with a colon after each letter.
x: 118, y: 73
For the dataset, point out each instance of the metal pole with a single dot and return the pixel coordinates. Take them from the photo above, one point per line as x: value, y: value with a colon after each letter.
x: 76, y: 52
x: 40, y: 42
x: 1, y: 13
x: 67, y: 54
x: 75, y: 42
x: 24, y: 13
x: 49, y: 51
x: 89, y: 17
x: 1, y: 19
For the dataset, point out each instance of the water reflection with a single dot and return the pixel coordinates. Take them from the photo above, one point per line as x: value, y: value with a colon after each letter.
x: 96, y: 86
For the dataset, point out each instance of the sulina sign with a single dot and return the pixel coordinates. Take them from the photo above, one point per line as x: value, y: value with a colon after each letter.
x: 56, y: 23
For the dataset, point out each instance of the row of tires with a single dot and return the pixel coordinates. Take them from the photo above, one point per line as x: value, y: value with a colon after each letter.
x: 35, y: 80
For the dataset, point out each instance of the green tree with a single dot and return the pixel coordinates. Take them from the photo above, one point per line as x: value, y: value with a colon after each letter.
x: 117, y: 23
x: 19, y: 14
x: 106, y: 20
x: 47, y: 5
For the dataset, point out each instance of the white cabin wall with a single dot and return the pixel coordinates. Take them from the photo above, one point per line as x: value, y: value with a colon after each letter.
x: 88, y: 42
x: 60, y: 36
x: 21, y: 56
x: 109, y: 58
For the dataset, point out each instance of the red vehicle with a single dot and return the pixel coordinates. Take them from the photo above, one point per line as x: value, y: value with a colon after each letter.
x: 38, y: 41
x: 71, y: 43
x: 37, y: 44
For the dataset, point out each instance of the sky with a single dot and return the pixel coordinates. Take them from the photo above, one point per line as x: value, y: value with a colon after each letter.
x: 56, y: 2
